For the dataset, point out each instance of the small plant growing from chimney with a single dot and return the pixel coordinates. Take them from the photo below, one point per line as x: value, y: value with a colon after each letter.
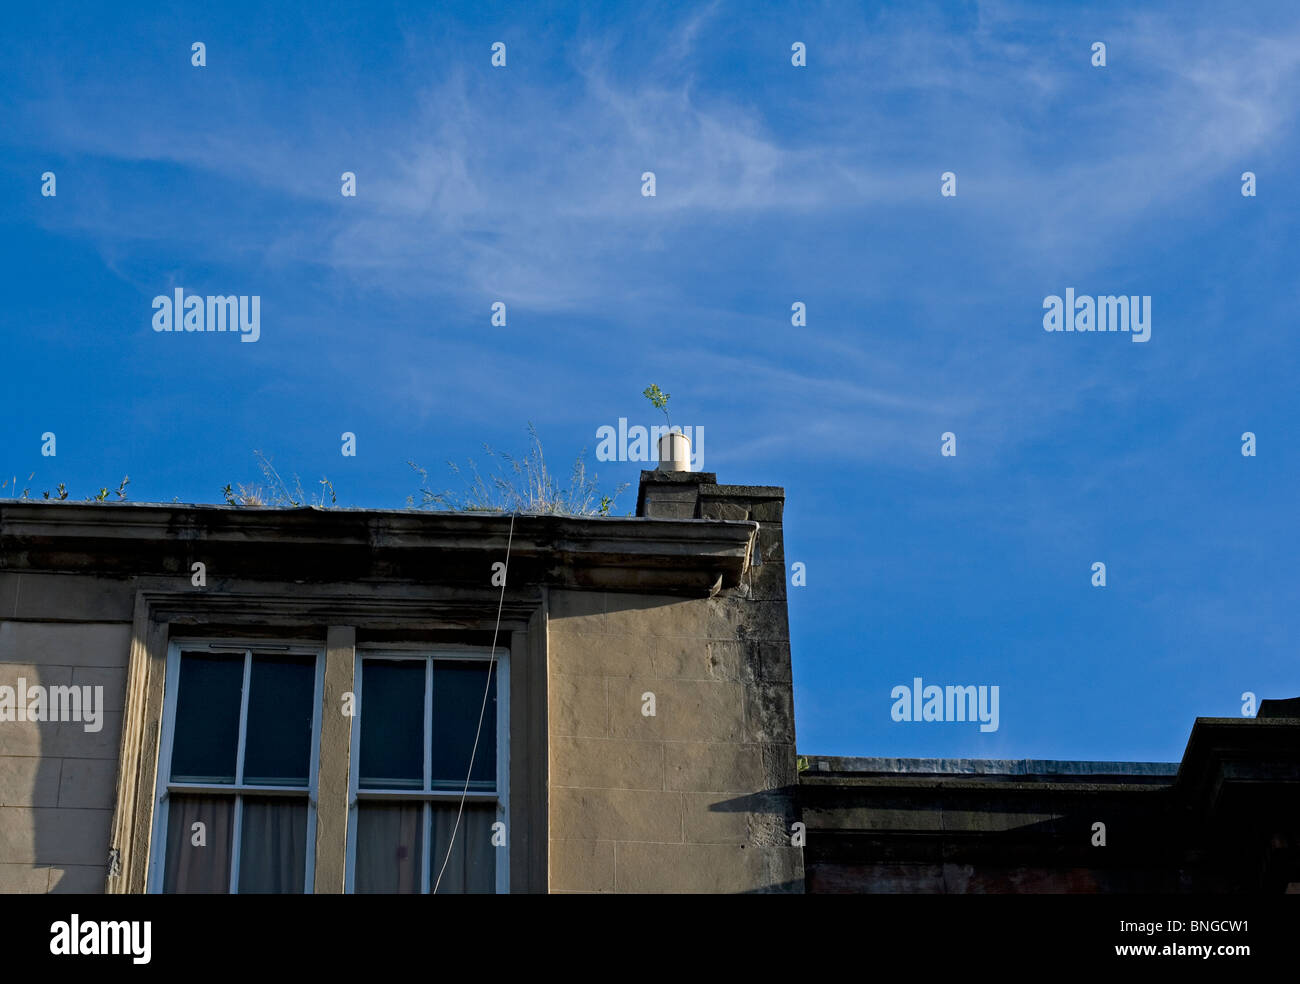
x: 659, y: 399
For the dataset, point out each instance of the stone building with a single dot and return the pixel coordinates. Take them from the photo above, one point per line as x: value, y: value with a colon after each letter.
x: 217, y: 698
x: 291, y: 698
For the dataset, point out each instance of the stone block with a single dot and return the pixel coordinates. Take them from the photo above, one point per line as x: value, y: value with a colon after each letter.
x: 74, y: 598
x: 53, y: 836
x: 658, y: 617
x: 28, y: 781
x: 679, y: 868
x: 607, y: 763
x: 775, y: 661
x: 615, y: 814
x: 65, y: 643
x: 575, y: 611
x: 685, y: 710
x: 710, y: 818
x: 112, y: 679
x: 578, y: 706
x: 23, y: 879
x: 78, y: 879
x: 88, y: 783
x: 769, y: 713
x: 712, y: 766
x: 582, y: 866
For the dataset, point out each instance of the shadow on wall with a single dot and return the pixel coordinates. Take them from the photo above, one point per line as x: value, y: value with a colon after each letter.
x: 58, y: 778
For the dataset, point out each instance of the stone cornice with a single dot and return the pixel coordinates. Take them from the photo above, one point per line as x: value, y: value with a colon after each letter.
x: 317, y: 545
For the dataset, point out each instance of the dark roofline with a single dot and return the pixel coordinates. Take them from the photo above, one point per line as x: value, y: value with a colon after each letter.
x: 673, y: 556
x: 1222, y: 755
x: 844, y: 765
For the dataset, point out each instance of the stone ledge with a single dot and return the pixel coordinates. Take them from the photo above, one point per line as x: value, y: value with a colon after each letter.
x: 670, y: 556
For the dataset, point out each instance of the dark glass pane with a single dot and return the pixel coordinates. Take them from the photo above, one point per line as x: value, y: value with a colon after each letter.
x: 457, y: 700
x: 273, y: 845
x: 206, y: 739
x: 277, y: 749
x: 392, y: 724
x: 389, y: 846
x: 471, y: 866
x: 198, y: 858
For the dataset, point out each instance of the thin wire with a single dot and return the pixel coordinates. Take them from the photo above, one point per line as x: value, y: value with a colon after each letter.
x: 487, y: 686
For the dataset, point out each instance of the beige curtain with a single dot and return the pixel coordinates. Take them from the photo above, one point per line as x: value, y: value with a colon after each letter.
x: 273, y: 846
x: 195, y: 868
x: 272, y: 850
x: 388, y: 848
x: 471, y: 868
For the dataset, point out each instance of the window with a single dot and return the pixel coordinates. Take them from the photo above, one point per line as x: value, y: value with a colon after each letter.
x: 412, y: 745
x: 237, y: 769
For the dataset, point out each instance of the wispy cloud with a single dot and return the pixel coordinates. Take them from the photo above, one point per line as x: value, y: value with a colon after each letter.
x: 530, y: 193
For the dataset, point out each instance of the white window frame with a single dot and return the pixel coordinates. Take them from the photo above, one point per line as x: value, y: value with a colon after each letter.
x: 238, y: 790
x: 428, y: 795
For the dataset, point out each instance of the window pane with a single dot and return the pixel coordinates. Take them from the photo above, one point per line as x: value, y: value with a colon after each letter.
x: 204, y: 866
x: 207, y: 717
x: 392, y: 724
x: 457, y: 700
x: 273, y: 845
x: 277, y: 749
x: 471, y: 868
x: 389, y: 847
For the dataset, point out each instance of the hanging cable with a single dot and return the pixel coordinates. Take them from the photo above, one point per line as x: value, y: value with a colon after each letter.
x: 487, y: 688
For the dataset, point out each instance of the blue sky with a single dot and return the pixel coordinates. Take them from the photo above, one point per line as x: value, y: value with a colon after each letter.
x: 775, y: 184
